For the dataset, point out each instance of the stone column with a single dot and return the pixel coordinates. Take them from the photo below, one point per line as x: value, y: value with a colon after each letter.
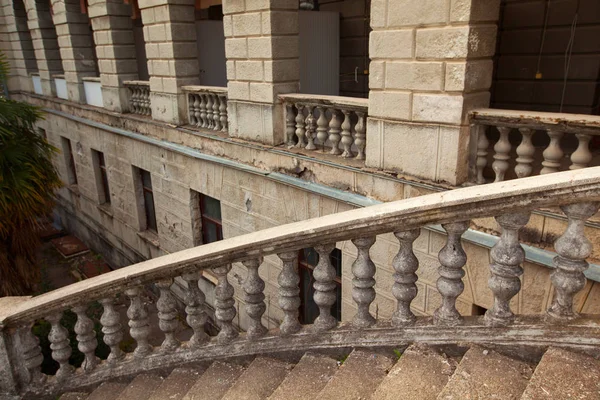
x: 115, y: 48
x: 76, y: 46
x: 170, y: 36
x: 431, y: 62
x: 261, y: 46
x: 45, y: 43
x: 17, y: 45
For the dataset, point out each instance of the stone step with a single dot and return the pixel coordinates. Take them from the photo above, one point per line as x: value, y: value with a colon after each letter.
x: 74, y: 396
x: 107, y: 391
x: 485, y: 374
x: 358, y: 377
x: 420, y: 374
x: 141, y: 387
x: 259, y: 380
x: 215, y: 381
x: 562, y: 374
x: 177, y: 384
x: 307, y: 379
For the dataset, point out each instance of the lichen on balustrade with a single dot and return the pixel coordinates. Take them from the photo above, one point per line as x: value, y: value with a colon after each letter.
x: 515, y: 144
x: 328, y: 124
x: 207, y: 107
x: 576, y: 192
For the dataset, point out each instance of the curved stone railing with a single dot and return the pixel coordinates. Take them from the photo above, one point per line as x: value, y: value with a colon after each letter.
x: 207, y: 107
x: 577, y: 192
x: 139, y: 97
x: 517, y: 144
x: 332, y: 124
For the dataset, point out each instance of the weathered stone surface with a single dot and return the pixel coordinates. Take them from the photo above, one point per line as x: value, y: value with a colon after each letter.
x: 215, y: 381
x: 358, y: 377
x: 107, y: 391
x: 307, y: 379
x: 563, y: 374
x: 484, y: 374
x: 420, y: 374
x: 74, y: 396
x: 177, y: 384
x: 260, y: 379
x: 141, y: 387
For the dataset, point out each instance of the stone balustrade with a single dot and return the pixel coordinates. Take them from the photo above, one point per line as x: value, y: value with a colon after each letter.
x: 207, y: 107
x: 577, y: 192
x: 516, y: 144
x: 139, y: 97
x: 330, y: 124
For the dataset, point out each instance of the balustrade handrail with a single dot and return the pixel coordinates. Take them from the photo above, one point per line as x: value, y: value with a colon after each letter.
x: 136, y: 83
x: 457, y: 205
x: 349, y: 103
x: 204, y: 89
x: 568, y: 123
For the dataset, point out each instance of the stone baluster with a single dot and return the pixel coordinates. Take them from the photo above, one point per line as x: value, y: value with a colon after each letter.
x: 203, y: 121
x: 553, y: 153
x: 361, y: 135
x: 311, y: 126
x: 198, y: 121
x: 334, y: 132
x: 216, y: 114
x: 325, y: 296
x: 139, y: 323
x: 254, y: 296
x: 191, y: 109
x: 405, y: 265
x: 61, y: 348
x: 167, y: 315
x: 347, y: 139
x: 525, y: 152
x: 224, y: 305
x: 289, y: 293
x: 112, y: 329
x: 582, y: 156
x: 300, y: 126
x: 196, y: 316
x: 290, y: 124
x: 322, y: 127
x: 363, y: 282
x: 32, y: 356
x: 482, y: 152
x: 452, y: 258
x: 148, y: 104
x: 223, y: 113
x: 507, y: 256
x: 501, y: 153
x: 86, y: 338
x: 209, y: 112
x: 133, y: 103
x: 573, y: 248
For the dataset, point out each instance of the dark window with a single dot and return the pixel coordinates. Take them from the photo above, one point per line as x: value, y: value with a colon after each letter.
x: 69, y: 160
x: 42, y: 133
x: 104, y: 191
x: 148, y: 200
x: 307, y: 261
x: 210, y: 214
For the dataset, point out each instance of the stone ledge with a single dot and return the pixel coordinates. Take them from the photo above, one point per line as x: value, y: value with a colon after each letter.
x: 150, y: 237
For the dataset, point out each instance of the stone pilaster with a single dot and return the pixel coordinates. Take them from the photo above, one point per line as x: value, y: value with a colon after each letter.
x: 431, y: 62
x: 76, y: 45
x: 115, y: 49
x: 261, y: 46
x: 45, y: 43
x: 17, y: 45
x: 170, y: 36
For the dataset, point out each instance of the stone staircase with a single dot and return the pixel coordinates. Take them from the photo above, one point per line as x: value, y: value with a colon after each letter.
x: 420, y: 372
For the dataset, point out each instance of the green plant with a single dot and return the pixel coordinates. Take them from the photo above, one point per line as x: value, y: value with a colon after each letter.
x: 28, y: 180
x: 398, y: 353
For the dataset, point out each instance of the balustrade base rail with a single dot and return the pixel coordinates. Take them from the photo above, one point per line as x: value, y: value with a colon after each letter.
x: 531, y: 332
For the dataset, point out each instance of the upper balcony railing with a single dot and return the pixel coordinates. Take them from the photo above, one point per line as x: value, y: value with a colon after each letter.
x: 517, y: 144
x: 577, y: 192
x: 207, y: 107
x: 139, y: 97
x: 332, y: 124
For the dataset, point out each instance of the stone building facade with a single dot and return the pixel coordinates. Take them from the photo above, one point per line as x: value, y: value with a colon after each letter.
x: 138, y: 186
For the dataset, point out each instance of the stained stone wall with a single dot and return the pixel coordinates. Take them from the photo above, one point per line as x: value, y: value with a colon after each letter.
x: 252, y: 202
